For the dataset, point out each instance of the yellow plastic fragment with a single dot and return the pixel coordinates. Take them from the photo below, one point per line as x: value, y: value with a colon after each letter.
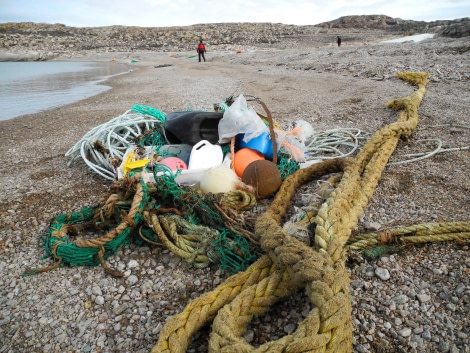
x: 130, y: 164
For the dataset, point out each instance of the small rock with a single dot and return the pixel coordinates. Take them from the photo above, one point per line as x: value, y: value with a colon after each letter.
x: 132, y: 279
x: 405, y: 332
x: 426, y: 335
x: 400, y: 299
x: 132, y: 264
x: 361, y: 349
x: 99, y: 300
x: 372, y: 226
x: 423, y: 298
x: 357, y: 284
x: 382, y: 273
x: 96, y: 290
x: 460, y: 289
x: 249, y: 335
x: 397, y: 321
x: 289, y: 328
x: 451, y: 307
x: 443, y: 347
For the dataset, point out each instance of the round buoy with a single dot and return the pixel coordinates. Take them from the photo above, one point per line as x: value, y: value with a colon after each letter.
x: 174, y: 163
x: 243, y: 158
x: 219, y: 179
x: 264, y: 176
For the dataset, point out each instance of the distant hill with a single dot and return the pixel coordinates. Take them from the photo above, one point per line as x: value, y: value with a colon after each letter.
x: 383, y: 22
x: 43, y: 41
x: 448, y: 28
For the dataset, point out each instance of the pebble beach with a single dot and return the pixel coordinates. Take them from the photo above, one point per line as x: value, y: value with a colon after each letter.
x: 416, y: 299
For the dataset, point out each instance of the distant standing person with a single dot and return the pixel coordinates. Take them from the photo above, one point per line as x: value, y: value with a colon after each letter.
x: 338, y: 40
x: 201, y: 49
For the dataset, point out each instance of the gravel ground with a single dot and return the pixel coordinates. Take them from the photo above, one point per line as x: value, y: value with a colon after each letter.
x: 414, y: 300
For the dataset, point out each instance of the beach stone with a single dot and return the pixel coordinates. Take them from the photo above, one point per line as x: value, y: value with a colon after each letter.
x: 443, y: 347
x: 423, y: 298
x: 426, y: 334
x: 357, y: 284
x: 289, y: 328
x: 382, y: 273
x: 132, y: 279
x: 460, y: 289
x: 405, y: 332
x: 400, y: 299
x: 132, y: 264
x: 372, y: 226
x: 96, y: 290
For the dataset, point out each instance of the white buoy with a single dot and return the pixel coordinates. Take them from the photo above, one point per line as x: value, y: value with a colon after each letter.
x: 219, y: 179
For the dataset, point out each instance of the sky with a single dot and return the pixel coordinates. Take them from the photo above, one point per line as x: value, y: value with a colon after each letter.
x: 163, y: 13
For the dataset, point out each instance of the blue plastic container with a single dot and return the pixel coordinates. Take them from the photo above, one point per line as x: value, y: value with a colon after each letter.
x: 261, y: 143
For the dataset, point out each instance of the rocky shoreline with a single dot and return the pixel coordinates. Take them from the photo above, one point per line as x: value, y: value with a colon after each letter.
x: 414, y: 300
x: 40, y: 41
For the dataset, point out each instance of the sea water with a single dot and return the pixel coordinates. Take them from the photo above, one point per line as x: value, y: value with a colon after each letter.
x: 31, y: 87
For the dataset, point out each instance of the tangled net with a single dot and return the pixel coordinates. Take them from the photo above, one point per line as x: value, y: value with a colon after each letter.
x: 200, y: 228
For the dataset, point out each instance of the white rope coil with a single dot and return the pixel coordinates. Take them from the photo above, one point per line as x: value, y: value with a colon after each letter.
x: 330, y: 144
x: 115, y: 136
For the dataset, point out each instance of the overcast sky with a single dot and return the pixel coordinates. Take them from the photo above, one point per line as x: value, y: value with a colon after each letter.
x: 158, y: 13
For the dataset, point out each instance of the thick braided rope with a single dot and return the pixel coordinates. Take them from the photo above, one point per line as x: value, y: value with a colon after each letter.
x: 320, y: 270
x: 323, y: 271
x: 303, y: 264
x: 419, y: 233
x: 341, y: 212
x: 176, y: 333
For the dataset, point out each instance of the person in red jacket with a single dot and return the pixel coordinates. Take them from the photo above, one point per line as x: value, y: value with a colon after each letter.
x: 201, y: 49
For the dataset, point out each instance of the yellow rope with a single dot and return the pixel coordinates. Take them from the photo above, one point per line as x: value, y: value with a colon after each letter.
x: 126, y: 222
x: 176, y: 333
x: 321, y: 269
x: 193, y: 246
x: 239, y: 200
x: 420, y: 233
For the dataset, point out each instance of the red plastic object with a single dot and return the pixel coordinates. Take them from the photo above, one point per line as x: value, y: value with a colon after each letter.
x: 174, y: 163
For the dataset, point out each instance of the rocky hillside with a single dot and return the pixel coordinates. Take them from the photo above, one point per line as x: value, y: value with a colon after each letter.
x: 386, y: 23
x: 40, y: 41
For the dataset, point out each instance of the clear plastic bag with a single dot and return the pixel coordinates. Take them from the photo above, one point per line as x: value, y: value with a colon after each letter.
x: 240, y: 119
x: 306, y: 131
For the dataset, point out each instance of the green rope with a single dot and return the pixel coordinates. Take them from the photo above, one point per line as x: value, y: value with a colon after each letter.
x: 147, y: 110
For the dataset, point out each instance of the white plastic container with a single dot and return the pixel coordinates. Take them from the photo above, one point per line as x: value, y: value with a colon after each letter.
x: 205, y: 155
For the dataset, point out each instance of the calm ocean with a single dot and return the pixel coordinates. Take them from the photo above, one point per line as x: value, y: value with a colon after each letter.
x: 30, y: 87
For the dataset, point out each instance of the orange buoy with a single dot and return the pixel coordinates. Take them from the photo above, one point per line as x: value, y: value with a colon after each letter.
x: 243, y: 157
